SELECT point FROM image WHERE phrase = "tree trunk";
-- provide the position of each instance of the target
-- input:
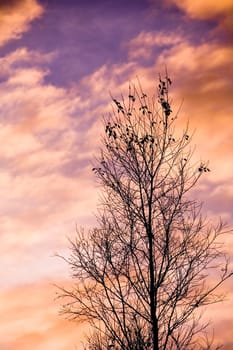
(154, 321)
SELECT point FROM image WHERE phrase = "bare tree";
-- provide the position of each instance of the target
(144, 275)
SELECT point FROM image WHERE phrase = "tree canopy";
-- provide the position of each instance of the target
(143, 276)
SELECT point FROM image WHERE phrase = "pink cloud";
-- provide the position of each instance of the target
(46, 178)
(24, 56)
(141, 46)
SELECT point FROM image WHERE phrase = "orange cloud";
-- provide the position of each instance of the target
(207, 9)
(202, 78)
(220, 317)
(30, 319)
(15, 18)
(204, 9)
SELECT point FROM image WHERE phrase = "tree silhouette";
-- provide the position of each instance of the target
(144, 275)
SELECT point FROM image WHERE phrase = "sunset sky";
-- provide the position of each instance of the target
(59, 60)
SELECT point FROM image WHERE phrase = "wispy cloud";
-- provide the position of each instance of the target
(143, 44)
(45, 158)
